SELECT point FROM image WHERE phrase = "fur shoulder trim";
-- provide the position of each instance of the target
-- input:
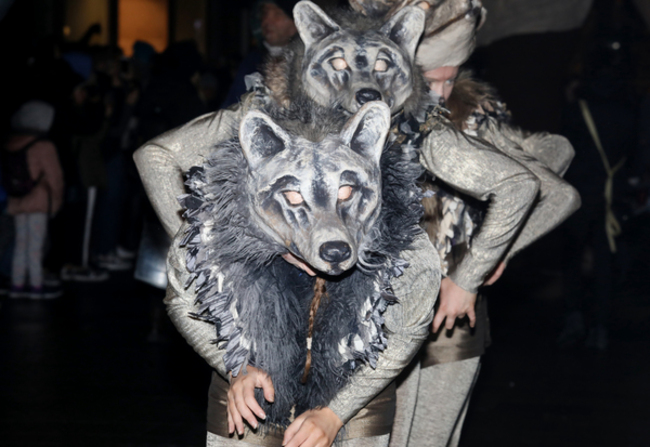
(467, 96)
(260, 304)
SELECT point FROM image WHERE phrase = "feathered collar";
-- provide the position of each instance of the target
(260, 304)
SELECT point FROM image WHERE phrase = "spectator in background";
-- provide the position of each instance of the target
(273, 26)
(143, 56)
(171, 97)
(33, 178)
(113, 214)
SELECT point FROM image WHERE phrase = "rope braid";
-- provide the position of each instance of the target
(319, 293)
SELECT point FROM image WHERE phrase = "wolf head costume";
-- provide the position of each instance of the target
(346, 60)
(337, 199)
(318, 199)
(449, 33)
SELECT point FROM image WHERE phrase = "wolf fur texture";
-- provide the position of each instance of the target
(242, 220)
(346, 59)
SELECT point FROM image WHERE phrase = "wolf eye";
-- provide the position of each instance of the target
(381, 65)
(293, 197)
(339, 64)
(345, 192)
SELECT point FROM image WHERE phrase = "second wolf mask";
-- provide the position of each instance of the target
(346, 60)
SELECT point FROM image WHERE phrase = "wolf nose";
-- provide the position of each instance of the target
(366, 95)
(336, 251)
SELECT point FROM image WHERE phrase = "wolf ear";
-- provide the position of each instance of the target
(261, 138)
(405, 28)
(312, 23)
(365, 133)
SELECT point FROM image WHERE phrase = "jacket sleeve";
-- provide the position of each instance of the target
(180, 305)
(554, 151)
(407, 326)
(479, 170)
(557, 199)
(162, 161)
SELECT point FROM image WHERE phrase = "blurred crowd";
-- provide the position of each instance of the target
(85, 109)
(77, 114)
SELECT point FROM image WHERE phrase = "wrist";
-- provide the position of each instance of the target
(332, 417)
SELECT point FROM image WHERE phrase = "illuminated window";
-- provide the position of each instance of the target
(146, 20)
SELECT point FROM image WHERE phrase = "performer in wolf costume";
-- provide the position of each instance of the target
(433, 399)
(405, 322)
(320, 199)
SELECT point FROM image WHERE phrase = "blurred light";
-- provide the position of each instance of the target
(66, 31)
(616, 45)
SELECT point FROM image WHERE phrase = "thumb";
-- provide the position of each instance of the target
(264, 381)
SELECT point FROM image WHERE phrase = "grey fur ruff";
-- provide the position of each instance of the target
(260, 303)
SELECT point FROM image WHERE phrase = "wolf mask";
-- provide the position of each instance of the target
(349, 60)
(331, 198)
(318, 199)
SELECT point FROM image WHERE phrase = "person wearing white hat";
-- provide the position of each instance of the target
(33, 179)
(432, 400)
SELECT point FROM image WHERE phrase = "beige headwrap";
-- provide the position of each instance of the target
(450, 32)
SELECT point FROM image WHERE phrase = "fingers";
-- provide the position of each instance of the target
(314, 440)
(451, 321)
(471, 313)
(302, 437)
(437, 320)
(264, 381)
(292, 429)
(234, 414)
(251, 402)
(241, 393)
(231, 424)
(309, 435)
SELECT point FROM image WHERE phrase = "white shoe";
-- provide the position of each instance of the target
(83, 274)
(113, 263)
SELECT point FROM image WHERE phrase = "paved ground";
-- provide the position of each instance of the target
(80, 371)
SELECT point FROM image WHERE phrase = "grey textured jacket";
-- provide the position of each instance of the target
(521, 175)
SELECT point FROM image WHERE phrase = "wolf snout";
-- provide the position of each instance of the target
(335, 251)
(366, 95)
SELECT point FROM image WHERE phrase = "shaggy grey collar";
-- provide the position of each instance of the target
(260, 304)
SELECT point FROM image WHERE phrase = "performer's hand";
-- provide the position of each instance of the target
(455, 302)
(496, 274)
(314, 428)
(291, 259)
(241, 398)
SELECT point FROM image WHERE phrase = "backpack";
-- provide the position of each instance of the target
(16, 178)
